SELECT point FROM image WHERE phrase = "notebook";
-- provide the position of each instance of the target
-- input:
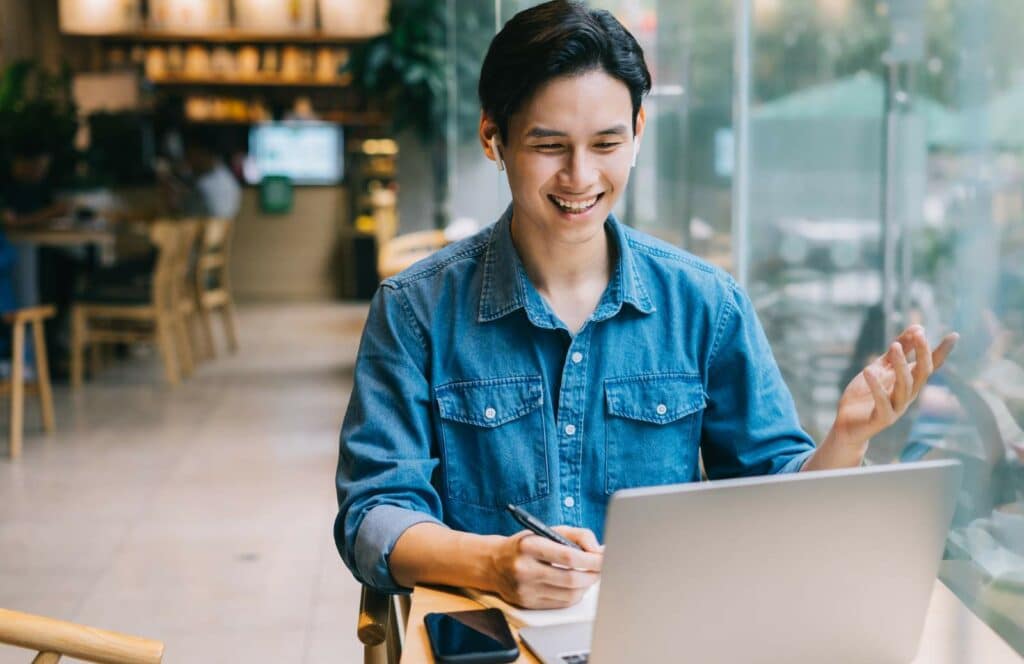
(583, 611)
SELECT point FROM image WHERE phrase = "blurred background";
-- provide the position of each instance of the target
(858, 165)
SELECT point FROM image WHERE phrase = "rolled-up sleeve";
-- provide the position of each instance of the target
(385, 461)
(751, 425)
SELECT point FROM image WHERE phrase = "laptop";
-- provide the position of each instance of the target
(832, 566)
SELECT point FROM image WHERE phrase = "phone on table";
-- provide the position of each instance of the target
(471, 637)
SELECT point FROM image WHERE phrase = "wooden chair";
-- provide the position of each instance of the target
(212, 277)
(402, 251)
(17, 387)
(134, 312)
(381, 627)
(53, 639)
(184, 297)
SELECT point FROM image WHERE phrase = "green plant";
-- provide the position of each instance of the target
(405, 67)
(404, 70)
(37, 110)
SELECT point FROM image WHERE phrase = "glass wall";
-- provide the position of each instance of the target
(886, 189)
(883, 147)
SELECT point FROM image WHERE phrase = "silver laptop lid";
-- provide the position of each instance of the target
(833, 566)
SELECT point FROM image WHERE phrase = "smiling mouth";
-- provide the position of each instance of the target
(575, 207)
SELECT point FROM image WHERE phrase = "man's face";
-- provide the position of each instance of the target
(568, 155)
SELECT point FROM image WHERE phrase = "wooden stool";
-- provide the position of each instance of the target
(16, 385)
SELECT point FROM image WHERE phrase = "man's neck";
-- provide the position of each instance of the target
(572, 278)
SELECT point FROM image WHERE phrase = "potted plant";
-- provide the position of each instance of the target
(38, 104)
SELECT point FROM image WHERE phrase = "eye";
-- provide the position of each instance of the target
(548, 146)
(607, 146)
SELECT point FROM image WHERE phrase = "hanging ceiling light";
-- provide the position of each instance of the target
(273, 16)
(188, 15)
(90, 17)
(354, 18)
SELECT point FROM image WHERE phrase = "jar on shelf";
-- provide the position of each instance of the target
(248, 62)
(188, 16)
(275, 16)
(197, 61)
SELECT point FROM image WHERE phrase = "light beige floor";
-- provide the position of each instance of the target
(200, 515)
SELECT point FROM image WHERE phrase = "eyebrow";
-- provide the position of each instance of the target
(541, 132)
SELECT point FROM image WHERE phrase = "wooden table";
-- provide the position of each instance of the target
(952, 634)
(102, 239)
(63, 237)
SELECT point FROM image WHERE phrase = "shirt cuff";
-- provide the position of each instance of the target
(795, 464)
(380, 529)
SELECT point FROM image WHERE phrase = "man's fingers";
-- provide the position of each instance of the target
(569, 579)
(903, 379)
(944, 349)
(584, 537)
(883, 406)
(923, 365)
(554, 553)
(551, 597)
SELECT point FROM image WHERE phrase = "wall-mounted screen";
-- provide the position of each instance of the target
(305, 152)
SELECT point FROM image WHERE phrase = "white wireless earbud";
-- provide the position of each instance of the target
(497, 155)
(636, 151)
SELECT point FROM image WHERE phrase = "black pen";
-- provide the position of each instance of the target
(535, 525)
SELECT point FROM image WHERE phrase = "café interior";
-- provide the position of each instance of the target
(199, 198)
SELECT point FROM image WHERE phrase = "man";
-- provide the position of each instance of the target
(208, 189)
(26, 200)
(558, 356)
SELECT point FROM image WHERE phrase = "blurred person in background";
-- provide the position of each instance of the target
(27, 199)
(200, 185)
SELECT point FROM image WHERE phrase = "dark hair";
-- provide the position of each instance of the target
(29, 145)
(201, 137)
(557, 38)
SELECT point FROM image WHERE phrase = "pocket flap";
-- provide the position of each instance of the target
(490, 403)
(655, 398)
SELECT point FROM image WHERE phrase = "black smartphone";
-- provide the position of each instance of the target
(471, 637)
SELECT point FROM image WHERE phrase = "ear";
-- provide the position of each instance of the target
(641, 122)
(488, 133)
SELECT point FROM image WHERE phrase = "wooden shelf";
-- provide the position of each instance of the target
(348, 118)
(226, 36)
(363, 118)
(253, 82)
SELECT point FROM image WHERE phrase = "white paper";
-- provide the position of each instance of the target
(582, 611)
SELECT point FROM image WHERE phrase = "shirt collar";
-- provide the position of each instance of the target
(506, 288)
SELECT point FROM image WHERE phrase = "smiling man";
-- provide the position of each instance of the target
(559, 356)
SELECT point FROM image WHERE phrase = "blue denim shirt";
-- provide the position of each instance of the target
(470, 394)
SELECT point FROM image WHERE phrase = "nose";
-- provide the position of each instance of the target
(578, 174)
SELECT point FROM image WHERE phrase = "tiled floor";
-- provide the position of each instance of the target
(200, 515)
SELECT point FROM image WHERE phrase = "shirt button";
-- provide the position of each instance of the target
(661, 409)
(570, 430)
(569, 502)
(577, 357)
(490, 413)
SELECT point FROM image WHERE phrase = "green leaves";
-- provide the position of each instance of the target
(405, 68)
(36, 108)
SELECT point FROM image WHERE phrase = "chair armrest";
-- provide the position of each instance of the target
(374, 609)
(29, 314)
(93, 645)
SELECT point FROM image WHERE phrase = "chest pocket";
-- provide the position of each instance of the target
(652, 432)
(493, 442)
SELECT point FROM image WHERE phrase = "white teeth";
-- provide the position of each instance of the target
(575, 206)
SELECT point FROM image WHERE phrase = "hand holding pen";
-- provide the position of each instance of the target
(537, 572)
